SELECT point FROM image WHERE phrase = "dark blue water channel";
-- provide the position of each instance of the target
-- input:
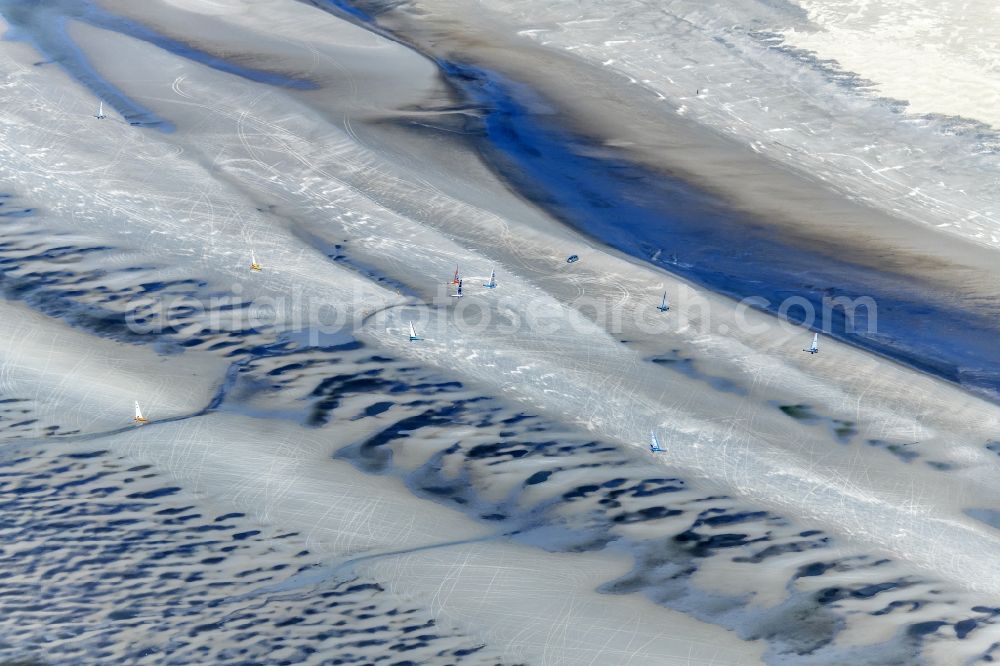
(687, 231)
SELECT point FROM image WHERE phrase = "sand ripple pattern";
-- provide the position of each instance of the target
(108, 562)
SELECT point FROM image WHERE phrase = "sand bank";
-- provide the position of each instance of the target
(347, 213)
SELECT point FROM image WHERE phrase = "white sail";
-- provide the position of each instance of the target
(138, 412)
(654, 444)
(413, 334)
(814, 347)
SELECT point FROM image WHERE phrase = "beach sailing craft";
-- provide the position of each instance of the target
(654, 443)
(814, 347)
(664, 305)
(139, 418)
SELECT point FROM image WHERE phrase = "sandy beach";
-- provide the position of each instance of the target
(492, 477)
